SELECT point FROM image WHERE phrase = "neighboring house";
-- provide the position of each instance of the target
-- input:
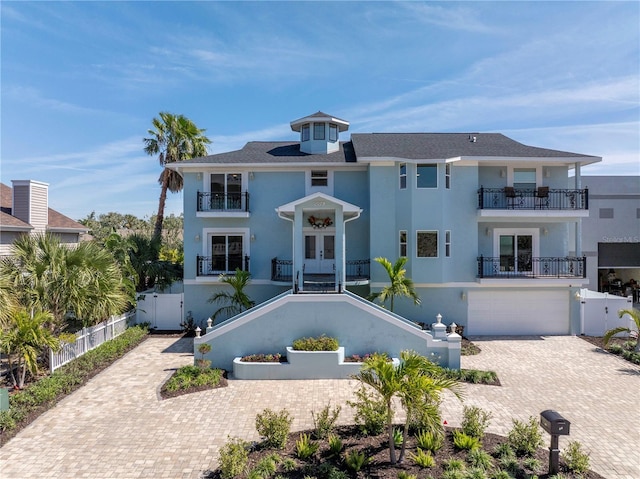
(484, 221)
(24, 209)
(611, 234)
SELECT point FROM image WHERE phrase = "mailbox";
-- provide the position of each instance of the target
(552, 422)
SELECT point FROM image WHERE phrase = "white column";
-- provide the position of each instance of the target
(298, 248)
(340, 248)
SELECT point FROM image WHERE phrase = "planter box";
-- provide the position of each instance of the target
(300, 365)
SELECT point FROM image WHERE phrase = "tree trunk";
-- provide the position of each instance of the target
(157, 231)
(392, 445)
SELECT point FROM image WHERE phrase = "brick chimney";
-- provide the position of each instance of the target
(31, 203)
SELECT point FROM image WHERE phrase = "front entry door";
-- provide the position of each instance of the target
(319, 253)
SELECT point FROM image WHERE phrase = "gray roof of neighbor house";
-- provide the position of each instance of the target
(57, 221)
(412, 146)
(448, 145)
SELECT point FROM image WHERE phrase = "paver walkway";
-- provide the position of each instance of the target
(116, 426)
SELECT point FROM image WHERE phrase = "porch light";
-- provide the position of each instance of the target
(253, 237)
(463, 296)
(545, 231)
(197, 238)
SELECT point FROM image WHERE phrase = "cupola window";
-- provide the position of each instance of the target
(333, 132)
(305, 132)
(318, 131)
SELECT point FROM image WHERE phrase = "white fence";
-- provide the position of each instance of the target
(599, 312)
(90, 338)
(161, 310)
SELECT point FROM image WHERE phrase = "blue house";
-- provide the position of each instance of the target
(484, 221)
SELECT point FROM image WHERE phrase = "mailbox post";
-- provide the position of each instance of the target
(557, 426)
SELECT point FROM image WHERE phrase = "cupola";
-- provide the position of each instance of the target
(319, 133)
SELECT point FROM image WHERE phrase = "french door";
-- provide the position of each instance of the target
(319, 253)
(516, 250)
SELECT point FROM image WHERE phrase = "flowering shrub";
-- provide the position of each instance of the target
(262, 358)
(356, 358)
(321, 343)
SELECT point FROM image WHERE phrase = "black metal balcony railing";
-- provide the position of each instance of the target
(221, 264)
(542, 198)
(238, 202)
(281, 270)
(356, 270)
(527, 267)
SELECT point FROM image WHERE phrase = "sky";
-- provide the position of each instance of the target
(82, 81)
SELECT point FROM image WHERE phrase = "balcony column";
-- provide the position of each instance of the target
(298, 248)
(578, 186)
(340, 249)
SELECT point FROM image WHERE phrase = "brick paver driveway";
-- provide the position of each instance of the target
(116, 426)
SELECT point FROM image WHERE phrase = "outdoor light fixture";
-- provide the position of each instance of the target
(197, 238)
(251, 175)
(463, 296)
(253, 237)
(545, 231)
(199, 176)
(503, 173)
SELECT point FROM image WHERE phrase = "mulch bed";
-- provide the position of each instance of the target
(379, 467)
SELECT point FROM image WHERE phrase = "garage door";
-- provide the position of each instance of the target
(518, 313)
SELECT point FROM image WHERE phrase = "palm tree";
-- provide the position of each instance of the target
(46, 275)
(415, 381)
(400, 284)
(634, 314)
(237, 301)
(173, 138)
(24, 340)
(150, 270)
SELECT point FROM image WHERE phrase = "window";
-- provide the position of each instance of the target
(403, 176)
(304, 134)
(447, 175)
(524, 178)
(333, 132)
(606, 213)
(403, 243)
(227, 252)
(319, 178)
(226, 191)
(318, 131)
(427, 244)
(427, 176)
(447, 243)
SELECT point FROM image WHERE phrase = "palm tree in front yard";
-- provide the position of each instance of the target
(237, 300)
(173, 138)
(634, 314)
(399, 285)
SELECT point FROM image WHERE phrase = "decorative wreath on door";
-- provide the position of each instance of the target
(320, 222)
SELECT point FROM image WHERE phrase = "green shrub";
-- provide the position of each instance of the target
(266, 467)
(475, 421)
(233, 458)
(335, 445)
(397, 437)
(575, 458)
(531, 463)
(503, 450)
(274, 427)
(509, 463)
(525, 437)
(355, 460)
(335, 473)
(189, 376)
(476, 473)
(453, 474)
(453, 464)
(422, 458)
(320, 343)
(464, 442)
(473, 376)
(305, 448)
(429, 441)
(289, 464)
(371, 413)
(324, 422)
(500, 474)
(479, 458)
(406, 475)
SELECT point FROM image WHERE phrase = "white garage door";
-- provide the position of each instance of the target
(518, 313)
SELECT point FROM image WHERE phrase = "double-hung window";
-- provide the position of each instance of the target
(403, 176)
(403, 243)
(447, 176)
(447, 243)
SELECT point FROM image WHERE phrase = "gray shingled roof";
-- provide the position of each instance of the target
(447, 145)
(266, 152)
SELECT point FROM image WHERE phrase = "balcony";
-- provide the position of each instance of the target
(527, 267)
(221, 264)
(223, 202)
(356, 271)
(541, 199)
